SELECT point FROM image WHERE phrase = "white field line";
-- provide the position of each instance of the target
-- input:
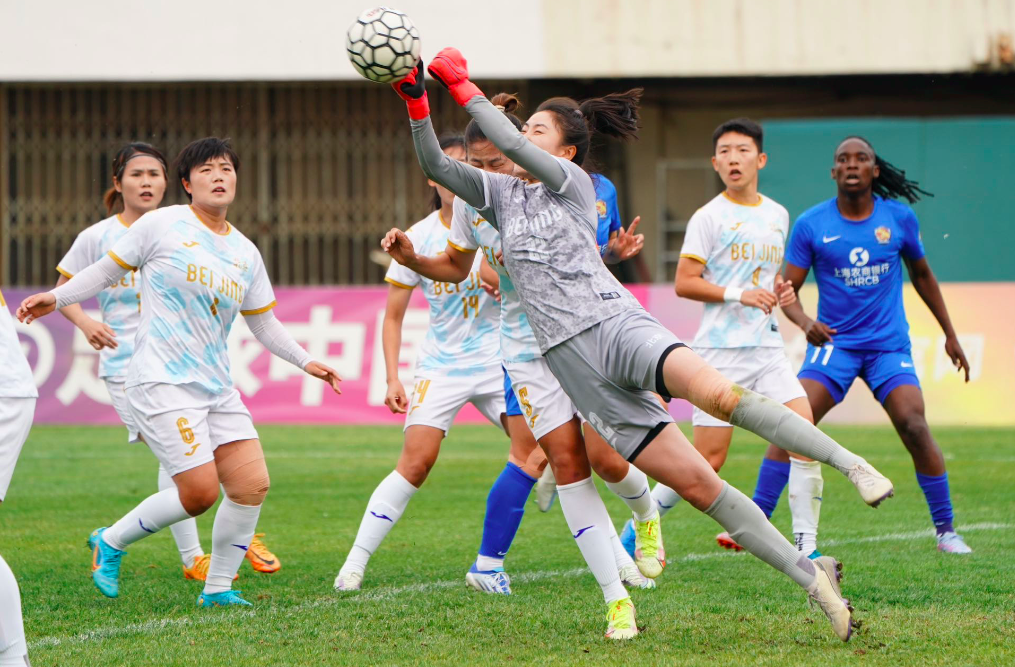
(155, 625)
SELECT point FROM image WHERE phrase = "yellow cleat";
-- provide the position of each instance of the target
(260, 558)
(199, 570)
(620, 615)
(649, 555)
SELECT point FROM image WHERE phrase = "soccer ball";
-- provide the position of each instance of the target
(383, 45)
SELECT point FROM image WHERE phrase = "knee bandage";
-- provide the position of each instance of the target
(713, 393)
(243, 473)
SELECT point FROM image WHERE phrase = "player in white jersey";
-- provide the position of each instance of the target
(542, 404)
(730, 260)
(458, 363)
(17, 407)
(197, 272)
(139, 184)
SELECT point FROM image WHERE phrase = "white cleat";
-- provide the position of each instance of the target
(838, 611)
(872, 485)
(952, 543)
(833, 569)
(622, 624)
(546, 490)
(631, 577)
(349, 580)
(489, 581)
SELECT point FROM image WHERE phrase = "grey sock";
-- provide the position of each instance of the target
(746, 523)
(780, 425)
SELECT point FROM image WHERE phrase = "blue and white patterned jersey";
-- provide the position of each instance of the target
(740, 246)
(120, 304)
(461, 339)
(469, 232)
(193, 284)
(16, 379)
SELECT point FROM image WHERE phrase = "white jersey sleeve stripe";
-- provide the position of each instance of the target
(122, 263)
(258, 311)
(398, 284)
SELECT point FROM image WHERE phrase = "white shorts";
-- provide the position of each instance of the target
(183, 424)
(765, 370)
(540, 396)
(119, 399)
(436, 399)
(15, 422)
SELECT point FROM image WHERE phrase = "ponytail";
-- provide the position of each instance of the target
(113, 199)
(614, 115)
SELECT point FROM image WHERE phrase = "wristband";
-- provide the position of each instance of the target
(418, 108)
(733, 294)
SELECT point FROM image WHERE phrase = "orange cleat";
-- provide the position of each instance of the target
(726, 542)
(260, 558)
(199, 570)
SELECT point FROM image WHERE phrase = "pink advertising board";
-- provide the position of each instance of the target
(341, 327)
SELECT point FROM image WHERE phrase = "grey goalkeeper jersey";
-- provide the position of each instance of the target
(548, 228)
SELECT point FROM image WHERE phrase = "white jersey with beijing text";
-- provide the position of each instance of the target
(470, 231)
(16, 376)
(120, 304)
(462, 337)
(193, 284)
(740, 246)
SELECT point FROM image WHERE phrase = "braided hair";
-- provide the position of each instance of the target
(891, 182)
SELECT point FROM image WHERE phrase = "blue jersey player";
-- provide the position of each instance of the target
(616, 244)
(857, 244)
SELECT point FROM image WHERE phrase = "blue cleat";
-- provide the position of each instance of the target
(627, 538)
(489, 581)
(228, 598)
(105, 564)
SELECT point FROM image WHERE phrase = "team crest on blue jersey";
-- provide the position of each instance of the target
(883, 235)
(601, 208)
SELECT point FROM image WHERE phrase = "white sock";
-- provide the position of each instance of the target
(619, 552)
(486, 563)
(805, 487)
(152, 515)
(385, 508)
(589, 522)
(633, 490)
(184, 532)
(230, 536)
(665, 497)
(13, 649)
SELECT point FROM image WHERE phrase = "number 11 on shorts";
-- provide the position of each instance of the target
(828, 353)
(187, 434)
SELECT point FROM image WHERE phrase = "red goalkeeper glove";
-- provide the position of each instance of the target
(413, 91)
(452, 71)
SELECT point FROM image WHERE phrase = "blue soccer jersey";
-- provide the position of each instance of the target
(858, 267)
(606, 211)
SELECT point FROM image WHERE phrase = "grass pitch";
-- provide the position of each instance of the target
(917, 606)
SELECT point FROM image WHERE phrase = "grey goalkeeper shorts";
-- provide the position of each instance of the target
(612, 371)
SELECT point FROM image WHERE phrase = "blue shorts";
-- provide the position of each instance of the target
(513, 409)
(836, 369)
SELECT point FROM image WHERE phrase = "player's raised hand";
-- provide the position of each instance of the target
(819, 333)
(451, 70)
(784, 290)
(954, 350)
(395, 398)
(759, 298)
(99, 335)
(412, 89)
(36, 306)
(398, 245)
(626, 244)
(326, 373)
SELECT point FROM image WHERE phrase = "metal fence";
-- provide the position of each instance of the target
(325, 169)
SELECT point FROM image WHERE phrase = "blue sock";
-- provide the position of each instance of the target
(504, 509)
(939, 500)
(772, 479)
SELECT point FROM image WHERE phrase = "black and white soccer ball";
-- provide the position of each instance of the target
(383, 44)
